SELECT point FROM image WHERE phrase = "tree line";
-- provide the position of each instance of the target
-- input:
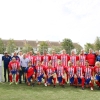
(66, 44)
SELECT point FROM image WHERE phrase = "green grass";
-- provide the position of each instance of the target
(23, 92)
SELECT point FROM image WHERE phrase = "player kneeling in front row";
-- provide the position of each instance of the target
(51, 75)
(79, 75)
(40, 73)
(30, 74)
(89, 76)
(97, 74)
(61, 75)
(14, 71)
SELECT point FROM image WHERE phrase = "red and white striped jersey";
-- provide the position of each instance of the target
(37, 58)
(54, 59)
(31, 58)
(79, 71)
(82, 59)
(96, 69)
(64, 59)
(71, 71)
(88, 72)
(50, 71)
(39, 70)
(60, 70)
(74, 59)
(46, 59)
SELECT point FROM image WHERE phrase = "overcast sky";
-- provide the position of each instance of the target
(51, 20)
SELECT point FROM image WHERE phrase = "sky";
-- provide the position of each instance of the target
(50, 20)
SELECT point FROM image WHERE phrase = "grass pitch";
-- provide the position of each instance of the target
(40, 92)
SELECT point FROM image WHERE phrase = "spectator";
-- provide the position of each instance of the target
(24, 64)
(91, 58)
(1, 68)
(6, 59)
(98, 57)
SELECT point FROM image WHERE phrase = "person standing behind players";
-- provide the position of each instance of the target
(64, 58)
(14, 70)
(82, 58)
(45, 58)
(37, 58)
(54, 58)
(31, 57)
(73, 57)
(98, 57)
(16, 56)
(24, 64)
(6, 59)
(91, 58)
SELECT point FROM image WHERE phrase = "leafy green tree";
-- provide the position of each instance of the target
(2, 48)
(11, 47)
(43, 46)
(97, 43)
(56, 48)
(67, 44)
(27, 47)
(87, 46)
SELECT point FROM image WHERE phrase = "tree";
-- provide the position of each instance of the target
(67, 44)
(56, 48)
(2, 48)
(11, 47)
(97, 43)
(43, 46)
(78, 47)
(27, 47)
(87, 46)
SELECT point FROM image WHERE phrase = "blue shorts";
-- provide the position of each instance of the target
(50, 80)
(14, 72)
(60, 79)
(29, 79)
(40, 78)
(97, 77)
(79, 80)
(71, 80)
(87, 81)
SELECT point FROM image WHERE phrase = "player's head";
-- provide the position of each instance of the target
(72, 52)
(13, 59)
(97, 52)
(50, 64)
(31, 53)
(82, 51)
(70, 64)
(90, 50)
(45, 52)
(78, 63)
(6, 53)
(59, 62)
(15, 53)
(20, 53)
(39, 63)
(29, 64)
(97, 64)
(87, 63)
(38, 53)
(63, 51)
(24, 56)
(53, 52)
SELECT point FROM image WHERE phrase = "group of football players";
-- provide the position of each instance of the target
(51, 69)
